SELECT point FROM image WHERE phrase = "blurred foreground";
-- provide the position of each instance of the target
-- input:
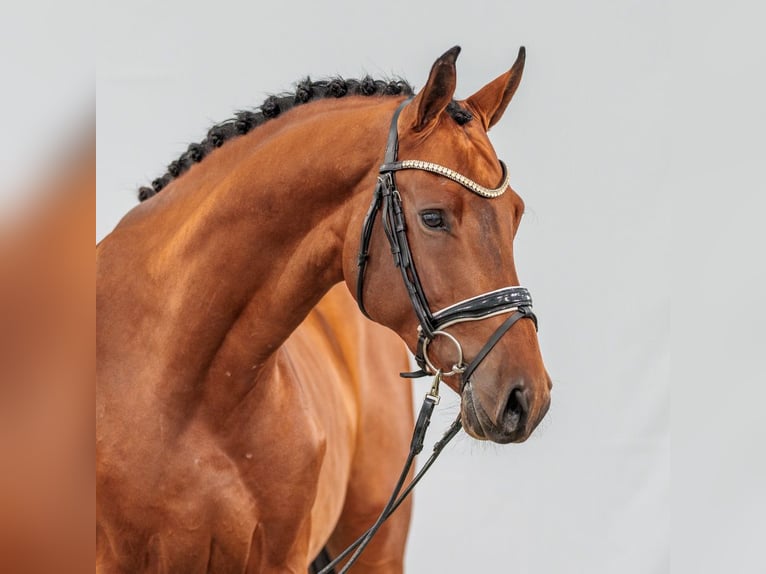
(47, 365)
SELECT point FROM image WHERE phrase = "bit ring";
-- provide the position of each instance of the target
(457, 368)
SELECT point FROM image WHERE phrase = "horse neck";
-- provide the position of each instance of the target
(254, 236)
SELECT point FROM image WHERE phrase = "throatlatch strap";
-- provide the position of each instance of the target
(364, 248)
(392, 148)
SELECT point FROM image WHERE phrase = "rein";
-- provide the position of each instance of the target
(516, 300)
(400, 492)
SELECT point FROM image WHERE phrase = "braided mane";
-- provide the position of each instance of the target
(305, 91)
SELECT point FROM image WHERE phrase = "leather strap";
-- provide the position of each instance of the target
(364, 247)
(523, 312)
(400, 492)
(392, 148)
(396, 231)
(483, 306)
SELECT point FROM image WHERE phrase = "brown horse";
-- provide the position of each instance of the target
(229, 439)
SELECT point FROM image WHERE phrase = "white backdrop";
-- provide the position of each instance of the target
(586, 141)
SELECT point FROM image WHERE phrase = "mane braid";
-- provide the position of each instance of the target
(305, 91)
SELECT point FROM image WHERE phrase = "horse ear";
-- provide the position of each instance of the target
(436, 94)
(490, 102)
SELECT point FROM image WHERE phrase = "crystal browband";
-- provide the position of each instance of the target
(469, 184)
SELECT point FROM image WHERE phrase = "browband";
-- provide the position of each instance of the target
(467, 183)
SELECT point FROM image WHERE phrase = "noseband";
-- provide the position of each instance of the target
(388, 200)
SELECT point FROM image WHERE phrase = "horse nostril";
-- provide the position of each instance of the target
(516, 408)
(513, 405)
(518, 401)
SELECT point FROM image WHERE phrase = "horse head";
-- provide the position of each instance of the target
(450, 218)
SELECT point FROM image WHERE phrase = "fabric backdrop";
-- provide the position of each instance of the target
(587, 143)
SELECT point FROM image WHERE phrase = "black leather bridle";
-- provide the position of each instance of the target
(515, 300)
(388, 201)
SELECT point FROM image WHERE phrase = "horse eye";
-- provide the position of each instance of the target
(433, 219)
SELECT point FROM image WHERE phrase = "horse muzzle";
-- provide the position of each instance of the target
(513, 422)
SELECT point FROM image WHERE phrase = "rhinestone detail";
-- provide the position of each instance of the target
(458, 177)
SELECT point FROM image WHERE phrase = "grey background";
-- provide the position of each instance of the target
(636, 141)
